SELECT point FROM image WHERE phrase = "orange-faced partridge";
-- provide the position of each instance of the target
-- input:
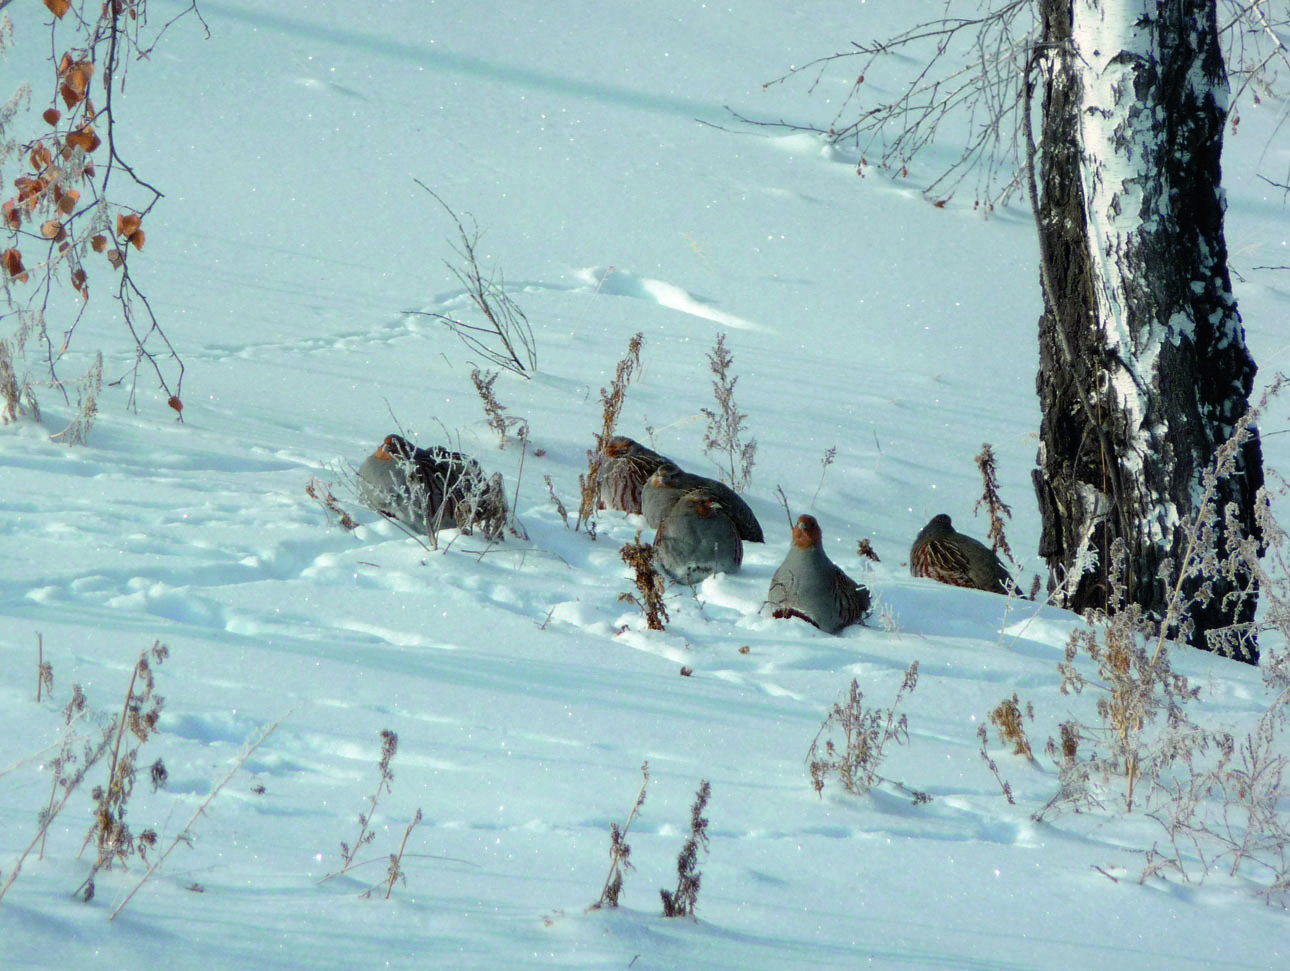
(669, 483)
(429, 489)
(811, 586)
(697, 540)
(624, 466)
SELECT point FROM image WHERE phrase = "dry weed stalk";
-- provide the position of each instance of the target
(320, 492)
(87, 390)
(619, 852)
(185, 834)
(114, 841)
(649, 582)
(865, 734)
(44, 670)
(494, 410)
(994, 505)
(983, 736)
(76, 757)
(611, 400)
(559, 506)
(389, 747)
(681, 902)
(725, 431)
(830, 454)
(395, 870)
(506, 338)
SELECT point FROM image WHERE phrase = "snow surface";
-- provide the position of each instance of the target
(287, 262)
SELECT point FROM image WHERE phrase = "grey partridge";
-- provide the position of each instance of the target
(428, 489)
(811, 586)
(669, 483)
(944, 554)
(697, 540)
(624, 467)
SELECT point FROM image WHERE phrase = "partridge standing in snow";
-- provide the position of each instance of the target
(669, 483)
(625, 466)
(697, 540)
(429, 489)
(811, 586)
(944, 554)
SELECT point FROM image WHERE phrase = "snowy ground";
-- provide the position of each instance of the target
(287, 261)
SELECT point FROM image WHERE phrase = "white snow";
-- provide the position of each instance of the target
(286, 260)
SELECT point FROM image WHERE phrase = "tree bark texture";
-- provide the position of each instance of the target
(1143, 367)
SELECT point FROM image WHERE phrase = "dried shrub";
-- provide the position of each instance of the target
(681, 902)
(1221, 805)
(17, 392)
(649, 584)
(1007, 719)
(865, 734)
(611, 400)
(505, 337)
(1135, 687)
(724, 438)
(619, 851)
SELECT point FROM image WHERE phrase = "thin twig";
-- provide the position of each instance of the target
(184, 835)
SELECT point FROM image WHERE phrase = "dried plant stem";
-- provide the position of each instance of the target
(48, 817)
(619, 850)
(389, 748)
(184, 834)
(396, 859)
(101, 824)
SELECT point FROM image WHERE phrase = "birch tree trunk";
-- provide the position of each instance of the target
(1143, 364)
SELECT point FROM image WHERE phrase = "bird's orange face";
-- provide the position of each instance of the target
(806, 533)
(664, 477)
(617, 447)
(386, 450)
